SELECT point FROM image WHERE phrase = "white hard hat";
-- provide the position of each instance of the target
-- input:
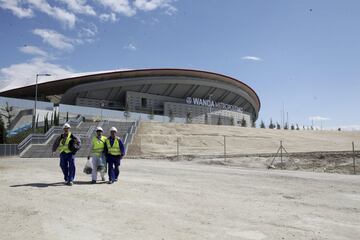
(66, 125)
(99, 129)
(113, 129)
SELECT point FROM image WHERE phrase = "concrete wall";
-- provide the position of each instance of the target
(97, 103)
(198, 114)
(153, 102)
(143, 102)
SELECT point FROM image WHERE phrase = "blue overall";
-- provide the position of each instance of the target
(114, 161)
(113, 166)
(67, 164)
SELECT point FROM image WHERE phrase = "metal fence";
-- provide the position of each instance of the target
(252, 151)
(9, 150)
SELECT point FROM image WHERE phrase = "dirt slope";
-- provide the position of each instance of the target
(160, 139)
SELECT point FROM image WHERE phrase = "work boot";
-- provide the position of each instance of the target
(93, 181)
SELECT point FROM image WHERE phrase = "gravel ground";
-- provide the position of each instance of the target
(157, 199)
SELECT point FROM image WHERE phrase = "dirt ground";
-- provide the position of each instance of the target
(329, 162)
(176, 200)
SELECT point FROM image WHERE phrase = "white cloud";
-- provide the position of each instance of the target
(318, 118)
(89, 31)
(15, 7)
(126, 8)
(150, 5)
(252, 58)
(55, 39)
(60, 14)
(108, 17)
(33, 50)
(79, 6)
(66, 15)
(170, 10)
(22, 74)
(119, 6)
(131, 47)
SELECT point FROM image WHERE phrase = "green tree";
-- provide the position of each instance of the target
(232, 121)
(8, 113)
(292, 127)
(2, 131)
(52, 119)
(278, 126)
(219, 121)
(253, 124)
(46, 123)
(243, 122)
(188, 117)
(56, 118)
(286, 126)
(297, 127)
(37, 121)
(171, 116)
(271, 125)
(262, 124)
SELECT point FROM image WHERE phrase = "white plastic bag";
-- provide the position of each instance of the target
(88, 167)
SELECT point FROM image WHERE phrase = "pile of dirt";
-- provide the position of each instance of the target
(321, 151)
(169, 139)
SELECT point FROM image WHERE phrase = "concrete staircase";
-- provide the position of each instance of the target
(84, 131)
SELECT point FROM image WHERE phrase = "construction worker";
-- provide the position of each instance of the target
(97, 152)
(115, 151)
(67, 144)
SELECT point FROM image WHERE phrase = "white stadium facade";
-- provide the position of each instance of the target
(203, 97)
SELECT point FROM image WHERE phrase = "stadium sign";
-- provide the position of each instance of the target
(210, 103)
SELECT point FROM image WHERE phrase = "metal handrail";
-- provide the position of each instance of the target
(88, 133)
(44, 137)
(129, 135)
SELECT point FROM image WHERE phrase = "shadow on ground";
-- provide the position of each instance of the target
(40, 185)
(57, 184)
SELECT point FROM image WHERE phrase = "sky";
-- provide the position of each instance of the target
(302, 56)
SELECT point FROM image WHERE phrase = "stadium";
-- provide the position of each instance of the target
(203, 97)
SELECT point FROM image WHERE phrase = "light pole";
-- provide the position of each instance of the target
(36, 93)
(102, 104)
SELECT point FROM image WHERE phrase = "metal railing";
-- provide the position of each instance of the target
(130, 134)
(44, 138)
(8, 150)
